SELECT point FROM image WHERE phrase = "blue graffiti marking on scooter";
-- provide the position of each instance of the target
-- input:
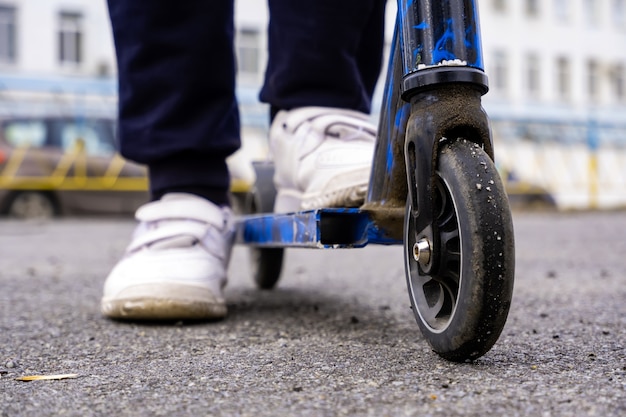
(405, 7)
(442, 50)
(304, 229)
(389, 131)
(472, 42)
(417, 53)
(402, 116)
(444, 33)
(280, 229)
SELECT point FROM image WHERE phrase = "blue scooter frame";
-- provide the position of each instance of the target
(434, 187)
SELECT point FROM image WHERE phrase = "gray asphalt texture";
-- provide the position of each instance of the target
(336, 337)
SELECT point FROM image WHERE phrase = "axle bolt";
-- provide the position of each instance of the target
(422, 251)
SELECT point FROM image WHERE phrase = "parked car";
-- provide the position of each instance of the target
(65, 165)
(524, 195)
(51, 166)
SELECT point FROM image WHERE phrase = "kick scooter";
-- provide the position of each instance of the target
(433, 188)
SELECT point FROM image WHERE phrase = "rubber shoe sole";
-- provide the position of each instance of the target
(164, 302)
(289, 200)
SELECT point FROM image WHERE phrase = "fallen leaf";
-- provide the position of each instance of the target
(42, 377)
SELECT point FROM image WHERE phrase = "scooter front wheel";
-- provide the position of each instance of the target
(460, 279)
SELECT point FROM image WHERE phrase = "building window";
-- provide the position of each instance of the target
(563, 74)
(532, 8)
(561, 10)
(70, 38)
(249, 52)
(592, 12)
(499, 5)
(7, 34)
(533, 74)
(619, 13)
(593, 79)
(500, 72)
(593, 82)
(618, 82)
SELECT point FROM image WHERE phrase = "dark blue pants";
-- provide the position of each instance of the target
(177, 108)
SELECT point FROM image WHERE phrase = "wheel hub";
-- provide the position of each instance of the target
(422, 250)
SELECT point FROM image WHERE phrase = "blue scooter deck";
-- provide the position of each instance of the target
(328, 228)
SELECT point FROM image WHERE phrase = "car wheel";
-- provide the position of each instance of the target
(32, 205)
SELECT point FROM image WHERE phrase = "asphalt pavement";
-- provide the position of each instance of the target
(336, 337)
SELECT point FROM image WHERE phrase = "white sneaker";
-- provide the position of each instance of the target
(322, 157)
(175, 266)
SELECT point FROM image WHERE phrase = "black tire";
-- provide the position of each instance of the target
(32, 205)
(462, 303)
(266, 264)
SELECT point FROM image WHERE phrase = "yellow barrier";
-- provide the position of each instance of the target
(575, 176)
(70, 174)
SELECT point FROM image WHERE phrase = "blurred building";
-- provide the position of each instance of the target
(556, 60)
(557, 71)
(55, 56)
(545, 59)
(557, 96)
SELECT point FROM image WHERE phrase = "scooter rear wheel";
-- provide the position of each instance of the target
(460, 280)
(265, 263)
